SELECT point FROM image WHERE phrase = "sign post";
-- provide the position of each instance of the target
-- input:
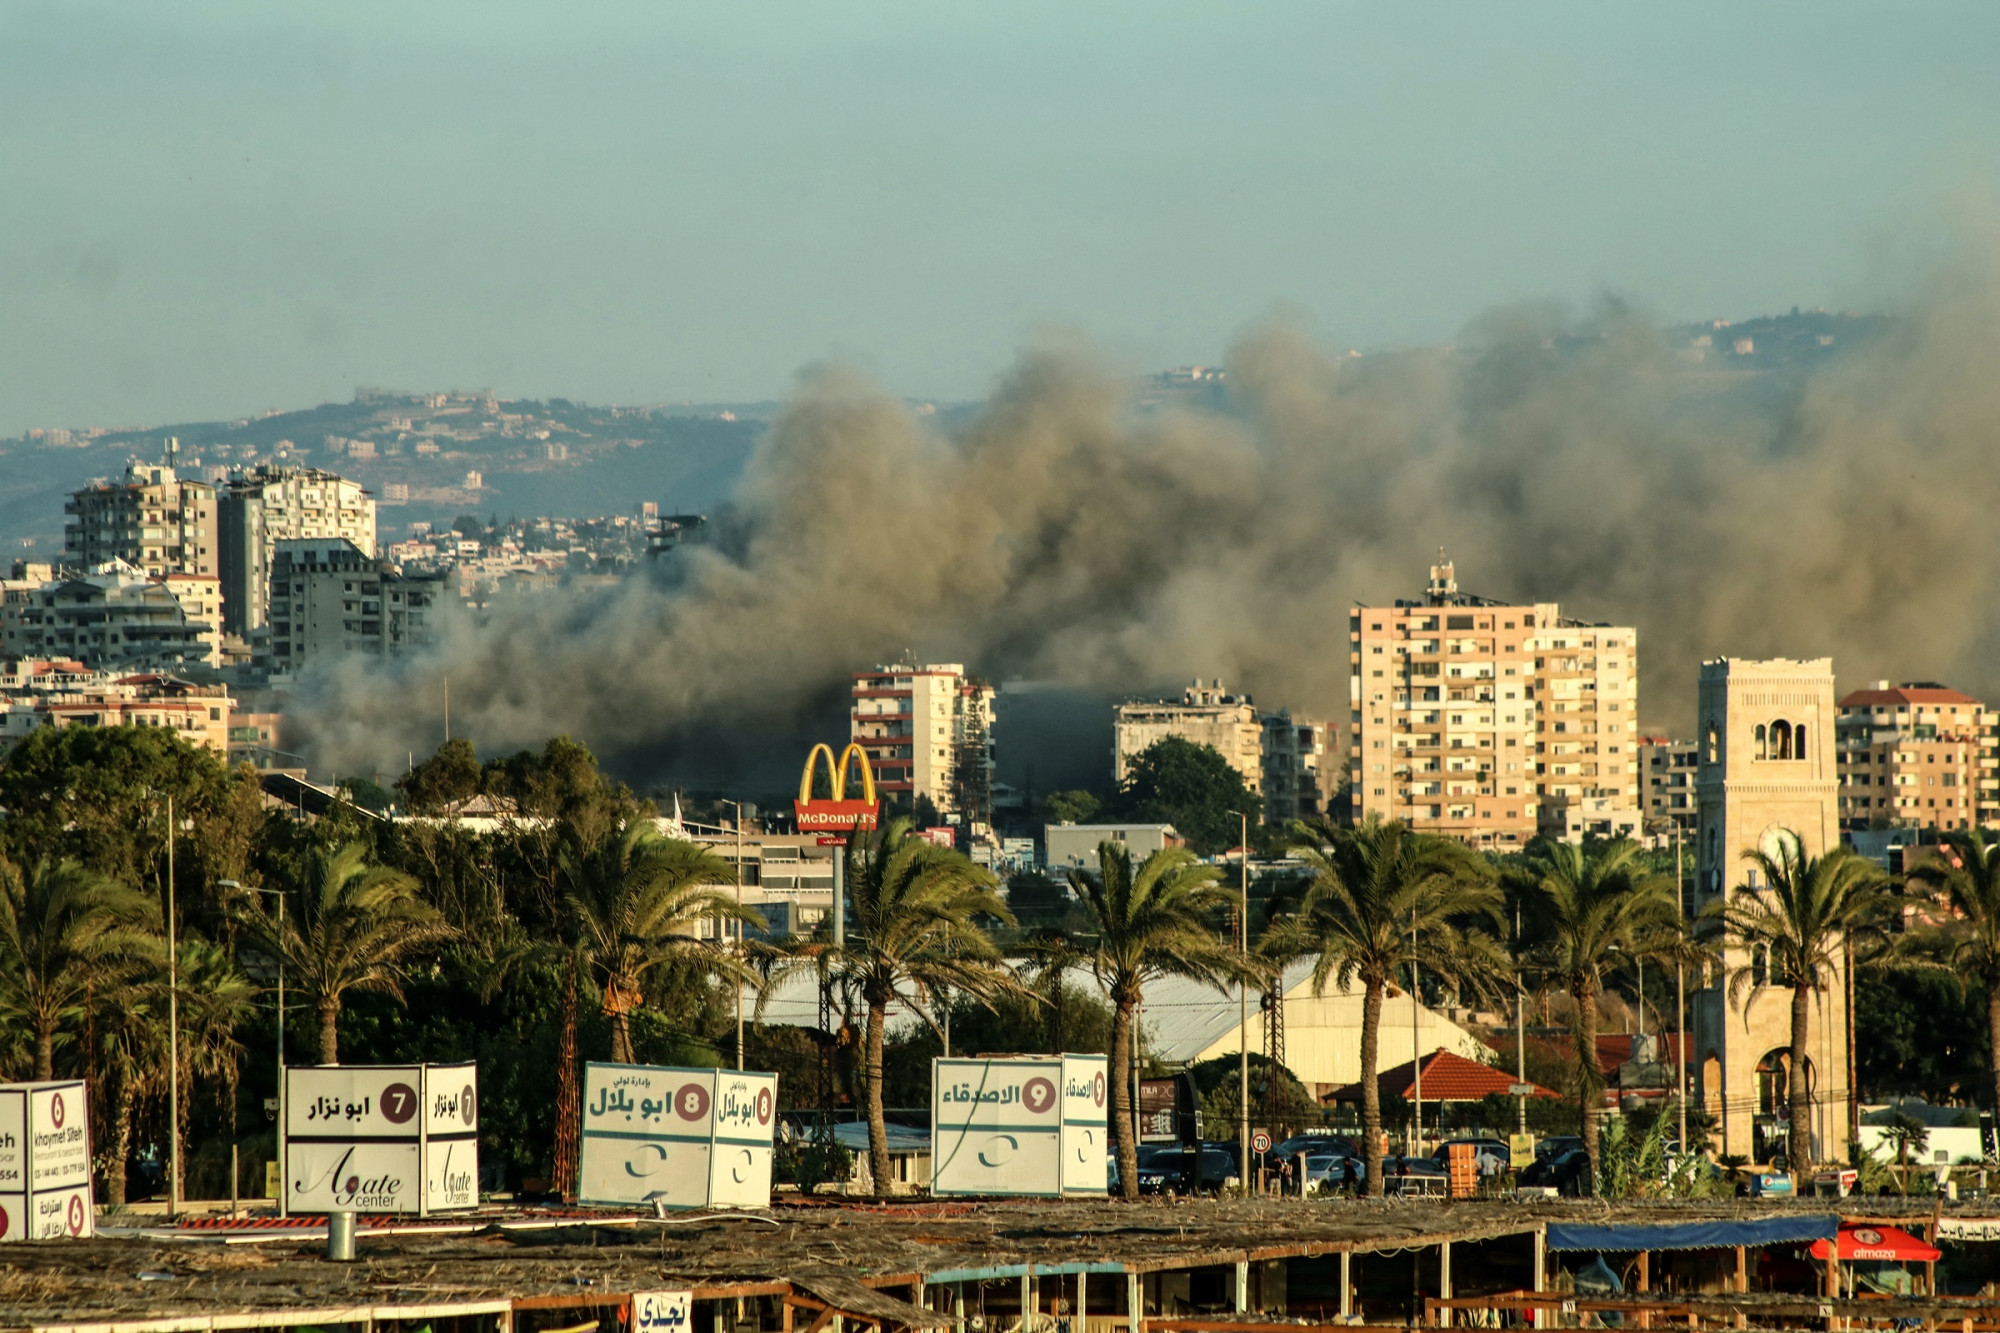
(45, 1185)
(677, 1138)
(381, 1138)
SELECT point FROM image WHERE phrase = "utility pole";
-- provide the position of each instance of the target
(1680, 993)
(1520, 1029)
(173, 1024)
(737, 808)
(1416, 1045)
(1243, 999)
(447, 708)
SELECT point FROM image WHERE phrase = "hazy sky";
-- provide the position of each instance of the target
(208, 209)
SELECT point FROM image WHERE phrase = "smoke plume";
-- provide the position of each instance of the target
(1061, 533)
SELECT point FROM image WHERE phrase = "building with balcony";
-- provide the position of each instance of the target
(115, 617)
(260, 507)
(1283, 760)
(1666, 783)
(927, 731)
(150, 519)
(36, 694)
(1487, 721)
(1917, 755)
(328, 597)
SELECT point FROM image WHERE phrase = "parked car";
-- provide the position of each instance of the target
(1490, 1155)
(1329, 1173)
(1566, 1174)
(1555, 1145)
(1215, 1169)
(1412, 1175)
(1289, 1155)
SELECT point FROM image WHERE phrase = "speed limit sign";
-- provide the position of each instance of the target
(1260, 1140)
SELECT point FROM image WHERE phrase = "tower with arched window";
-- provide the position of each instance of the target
(1767, 771)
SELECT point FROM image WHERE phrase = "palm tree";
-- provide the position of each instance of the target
(132, 1057)
(1587, 912)
(215, 999)
(1157, 921)
(638, 899)
(62, 929)
(916, 908)
(1795, 926)
(1968, 877)
(1383, 898)
(356, 927)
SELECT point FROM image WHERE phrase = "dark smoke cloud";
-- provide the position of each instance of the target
(1063, 535)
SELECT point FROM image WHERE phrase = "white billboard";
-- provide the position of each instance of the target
(381, 1138)
(1086, 1139)
(679, 1138)
(1022, 1125)
(45, 1191)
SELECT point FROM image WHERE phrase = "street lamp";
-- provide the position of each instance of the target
(737, 808)
(279, 1137)
(173, 1032)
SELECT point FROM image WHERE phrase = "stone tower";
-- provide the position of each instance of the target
(1767, 770)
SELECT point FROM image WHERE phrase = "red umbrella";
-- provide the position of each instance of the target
(1864, 1242)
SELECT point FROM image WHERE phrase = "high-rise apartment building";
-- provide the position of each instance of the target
(263, 506)
(927, 731)
(329, 597)
(151, 519)
(1918, 755)
(1300, 777)
(1489, 722)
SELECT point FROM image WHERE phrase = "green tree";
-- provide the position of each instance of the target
(216, 999)
(639, 900)
(917, 910)
(1383, 899)
(351, 925)
(449, 777)
(1967, 944)
(1174, 781)
(65, 930)
(1795, 925)
(1157, 921)
(1589, 911)
(1906, 1134)
(1070, 807)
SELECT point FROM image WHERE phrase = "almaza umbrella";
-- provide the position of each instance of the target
(1866, 1244)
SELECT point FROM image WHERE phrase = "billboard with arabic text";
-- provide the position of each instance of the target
(679, 1138)
(45, 1190)
(381, 1138)
(1025, 1125)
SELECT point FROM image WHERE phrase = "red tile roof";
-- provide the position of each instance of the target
(1906, 694)
(1446, 1078)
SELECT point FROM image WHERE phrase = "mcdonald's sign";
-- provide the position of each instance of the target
(837, 814)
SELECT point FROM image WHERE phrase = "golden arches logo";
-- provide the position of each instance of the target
(836, 813)
(837, 773)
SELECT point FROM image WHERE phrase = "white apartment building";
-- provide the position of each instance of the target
(328, 597)
(927, 730)
(1205, 714)
(150, 519)
(1284, 760)
(115, 617)
(1486, 721)
(42, 694)
(263, 506)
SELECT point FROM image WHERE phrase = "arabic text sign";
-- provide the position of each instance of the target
(1086, 1140)
(997, 1126)
(45, 1189)
(681, 1138)
(662, 1311)
(381, 1138)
